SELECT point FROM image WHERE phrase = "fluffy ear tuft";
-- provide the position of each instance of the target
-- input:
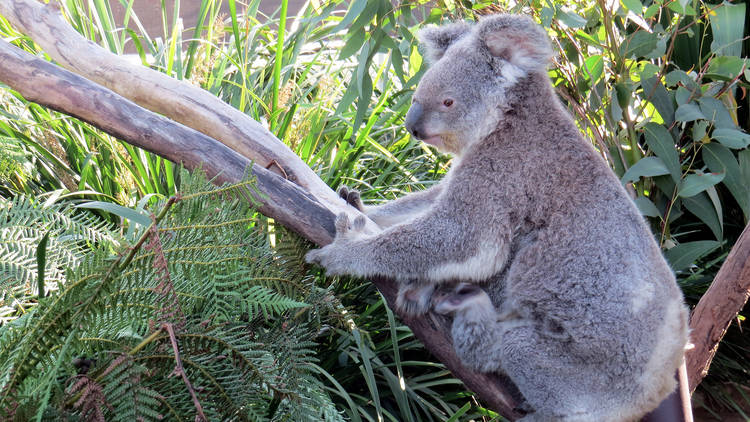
(437, 39)
(517, 39)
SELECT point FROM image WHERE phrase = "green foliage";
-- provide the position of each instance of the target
(200, 285)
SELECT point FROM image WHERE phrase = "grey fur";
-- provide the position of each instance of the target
(581, 309)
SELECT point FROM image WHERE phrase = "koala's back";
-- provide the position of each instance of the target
(584, 262)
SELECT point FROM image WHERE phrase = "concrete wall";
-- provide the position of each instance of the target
(149, 12)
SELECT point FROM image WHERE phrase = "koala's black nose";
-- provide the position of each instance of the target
(413, 121)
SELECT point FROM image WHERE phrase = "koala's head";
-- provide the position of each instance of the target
(462, 96)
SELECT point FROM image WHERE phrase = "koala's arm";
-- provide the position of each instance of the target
(404, 208)
(448, 241)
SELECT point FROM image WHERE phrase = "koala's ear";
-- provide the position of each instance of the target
(437, 39)
(517, 39)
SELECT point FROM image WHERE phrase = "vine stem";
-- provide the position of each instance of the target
(179, 370)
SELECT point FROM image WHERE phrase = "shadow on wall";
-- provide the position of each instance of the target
(149, 13)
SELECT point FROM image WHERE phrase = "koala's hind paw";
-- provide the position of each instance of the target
(352, 197)
(461, 297)
(414, 298)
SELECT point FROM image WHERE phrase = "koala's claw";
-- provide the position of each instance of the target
(351, 196)
(524, 408)
(313, 257)
(414, 299)
(342, 224)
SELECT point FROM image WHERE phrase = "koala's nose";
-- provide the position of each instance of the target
(413, 121)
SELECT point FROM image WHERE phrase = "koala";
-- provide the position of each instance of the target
(564, 288)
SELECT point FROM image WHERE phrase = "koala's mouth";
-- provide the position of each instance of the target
(436, 140)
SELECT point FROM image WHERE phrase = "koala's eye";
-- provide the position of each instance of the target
(448, 102)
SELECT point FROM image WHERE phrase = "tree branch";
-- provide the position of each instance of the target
(49, 85)
(179, 100)
(719, 305)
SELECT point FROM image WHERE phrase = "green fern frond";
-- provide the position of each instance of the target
(245, 343)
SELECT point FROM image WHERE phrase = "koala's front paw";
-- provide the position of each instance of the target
(414, 298)
(351, 196)
(331, 258)
(338, 257)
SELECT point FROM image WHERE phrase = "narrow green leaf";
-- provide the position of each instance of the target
(662, 144)
(720, 159)
(639, 44)
(727, 26)
(647, 207)
(654, 91)
(645, 167)
(700, 205)
(731, 138)
(634, 6)
(570, 19)
(593, 68)
(688, 113)
(698, 182)
(353, 44)
(683, 255)
(717, 112)
(41, 262)
(355, 9)
(118, 210)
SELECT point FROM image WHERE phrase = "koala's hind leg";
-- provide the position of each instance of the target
(557, 388)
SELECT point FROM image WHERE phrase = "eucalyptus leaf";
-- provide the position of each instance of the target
(684, 255)
(645, 167)
(662, 144)
(355, 9)
(719, 158)
(700, 205)
(688, 113)
(697, 182)
(731, 138)
(725, 67)
(655, 92)
(570, 19)
(593, 68)
(646, 207)
(634, 6)
(353, 44)
(682, 95)
(717, 112)
(638, 44)
(727, 26)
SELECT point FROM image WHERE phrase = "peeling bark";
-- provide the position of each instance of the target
(718, 307)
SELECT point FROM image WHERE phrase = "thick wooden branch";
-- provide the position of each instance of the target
(179, 100)
(56, 88)
(718, 307)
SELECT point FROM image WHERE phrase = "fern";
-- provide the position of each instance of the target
(201, 286)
